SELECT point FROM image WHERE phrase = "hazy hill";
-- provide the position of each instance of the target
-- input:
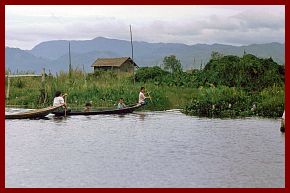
(54, 54)
(22, 61)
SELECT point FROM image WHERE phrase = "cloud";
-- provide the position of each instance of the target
(256, 20)
(192, 24)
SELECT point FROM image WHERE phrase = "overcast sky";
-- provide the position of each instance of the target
(26, 26)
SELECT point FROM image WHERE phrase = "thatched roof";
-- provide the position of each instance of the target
(117, 62)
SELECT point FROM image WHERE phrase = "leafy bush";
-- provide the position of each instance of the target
(219, 102)
(146, 74)
(271, 103)
(232, 102)
(248, 72)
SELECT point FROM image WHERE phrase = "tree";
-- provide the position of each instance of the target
(216, 55)
(145, 74)
(172, 64)
(248, 72)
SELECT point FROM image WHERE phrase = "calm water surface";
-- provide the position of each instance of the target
(144, 149)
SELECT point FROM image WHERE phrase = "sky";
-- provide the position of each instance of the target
(28, 25)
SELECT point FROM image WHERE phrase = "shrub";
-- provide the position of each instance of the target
(146, 74)
(271, 103)
(248, 72)
(219, 102)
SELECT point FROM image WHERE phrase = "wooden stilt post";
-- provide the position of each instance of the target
(85, 76)
(70, 67)
(42, 96)
(8, 85)
(43, 76)
(132, 55)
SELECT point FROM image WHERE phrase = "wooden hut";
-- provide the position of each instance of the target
(124, 64)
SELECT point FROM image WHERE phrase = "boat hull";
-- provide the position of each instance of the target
(100, 112)
(33, 114)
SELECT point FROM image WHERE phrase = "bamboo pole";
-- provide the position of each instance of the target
(43, 76)
(65, 99)
(132, 55)
(85, 76)
(22, 75)
(8, 85)
(148, 93)
(70, 68)
(43, 91)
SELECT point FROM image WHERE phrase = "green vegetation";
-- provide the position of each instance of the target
(225, 101)
(102, 88)
(172, 64)
(248, 72)
(228, 86)
(239, 87)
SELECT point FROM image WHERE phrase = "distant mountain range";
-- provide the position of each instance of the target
(54, 57)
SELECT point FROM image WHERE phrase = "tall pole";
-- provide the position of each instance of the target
(8, 86)
(85, 78)
(131, 43)
(43, 76)
(69, 60)
(132, 55)
(42, 97)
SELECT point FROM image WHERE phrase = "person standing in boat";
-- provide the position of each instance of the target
(121, 104)
(282, 128)
(142, 96)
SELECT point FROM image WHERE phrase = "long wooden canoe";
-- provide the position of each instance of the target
(125, 110)
(33, 114)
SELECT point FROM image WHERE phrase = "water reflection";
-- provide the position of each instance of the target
(140, 115)
(121, 115)
(59, 119)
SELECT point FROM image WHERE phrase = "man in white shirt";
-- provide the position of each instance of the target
(142, 97)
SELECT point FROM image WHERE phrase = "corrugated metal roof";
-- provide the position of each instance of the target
(112, 62)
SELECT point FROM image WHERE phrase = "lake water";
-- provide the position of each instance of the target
(144, 149)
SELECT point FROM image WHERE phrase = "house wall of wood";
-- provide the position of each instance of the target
(102, 68)
(125, 67)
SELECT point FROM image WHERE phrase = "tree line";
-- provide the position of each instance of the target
(227, 86)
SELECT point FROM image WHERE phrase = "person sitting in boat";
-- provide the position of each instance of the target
(121, 104)
(58, 100)
(142, 96)
(88, 107)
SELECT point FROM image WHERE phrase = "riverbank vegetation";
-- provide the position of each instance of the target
(228, 86)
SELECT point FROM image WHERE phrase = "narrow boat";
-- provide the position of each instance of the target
(33, 114)
(125, 110)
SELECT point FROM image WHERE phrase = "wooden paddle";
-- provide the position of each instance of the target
(148, 93)
(65, 99)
